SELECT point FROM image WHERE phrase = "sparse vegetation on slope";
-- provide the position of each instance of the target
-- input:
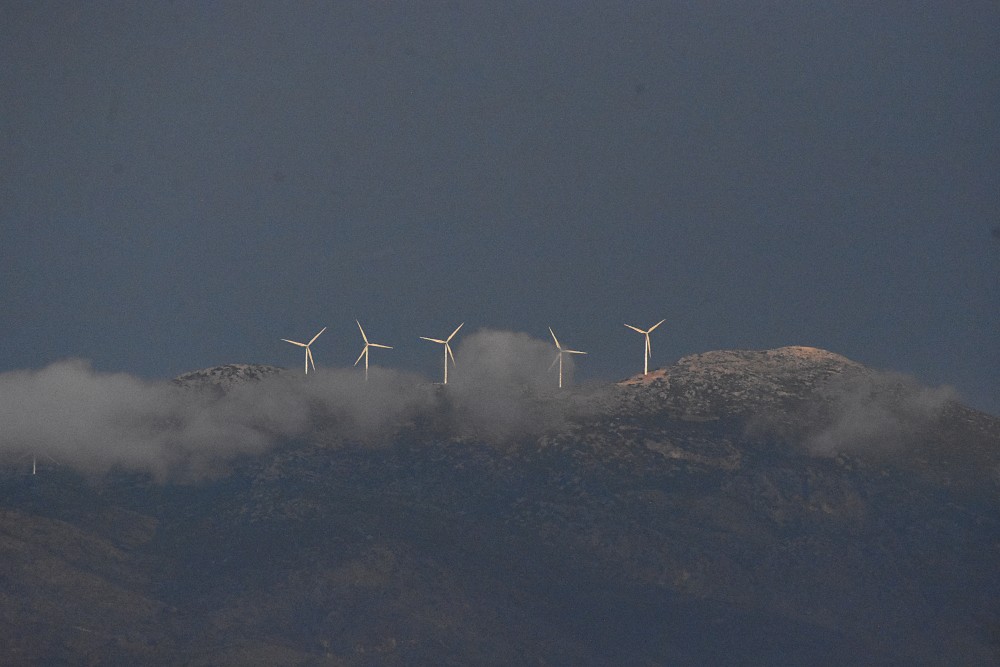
(679, 520)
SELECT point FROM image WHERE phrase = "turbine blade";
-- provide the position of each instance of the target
(311, 360)
(656, 325)
(553, 364)
(558, 346)
(317, 336)
(434, 340)
(362, 333)
(574, 352)
(384, 347)
(649, 346)
(447, 348)
(363, 353)
(455, 331)
(635, 328)
(294, 342)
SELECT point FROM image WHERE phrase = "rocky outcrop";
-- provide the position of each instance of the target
(741, 382)
(226, 376)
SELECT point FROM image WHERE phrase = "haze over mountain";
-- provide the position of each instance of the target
(784, 506)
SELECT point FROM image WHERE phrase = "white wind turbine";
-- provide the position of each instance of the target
(559, 356)
(364, 352)
(649, 348)
(309, 354)
(447, 349)
(34, 462)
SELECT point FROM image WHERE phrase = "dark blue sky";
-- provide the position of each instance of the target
(183, 184)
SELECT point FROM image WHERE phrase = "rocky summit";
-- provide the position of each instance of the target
(226, 377)
(781, 507)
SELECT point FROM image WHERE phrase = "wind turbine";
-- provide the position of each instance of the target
(309, 354)
(447, 349)
(649, 349)
(364, 352)
(559, 356)
(34, 462)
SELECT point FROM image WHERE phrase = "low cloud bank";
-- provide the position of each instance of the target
(506, 386)
(97, 421)
(879, 413)
(503, 388)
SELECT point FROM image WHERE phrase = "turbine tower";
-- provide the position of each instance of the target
(309, 354)
(34, 462)
(559, 356)
(364, 352)
(447, 349)
(649, 348)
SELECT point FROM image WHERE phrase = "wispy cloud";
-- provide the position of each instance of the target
(96, 421)
(876, 413)
(501, 389)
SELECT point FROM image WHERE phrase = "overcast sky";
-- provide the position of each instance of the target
(183, 184)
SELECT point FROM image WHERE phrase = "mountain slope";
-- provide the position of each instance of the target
(689, 517)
